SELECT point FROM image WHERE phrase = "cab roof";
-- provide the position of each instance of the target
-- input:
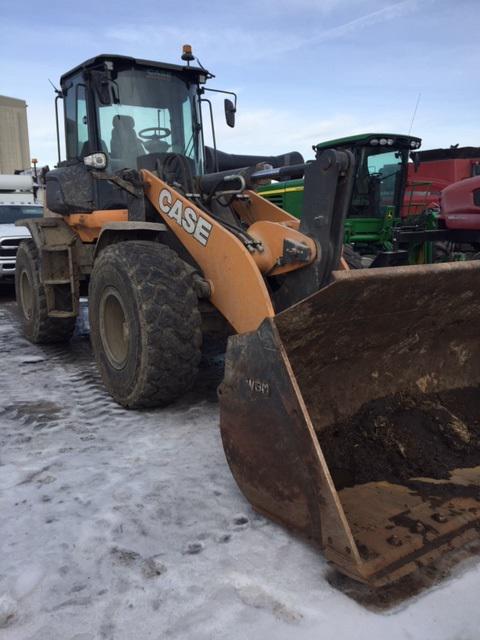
(451, 153)
(129, 61)
(364, 138)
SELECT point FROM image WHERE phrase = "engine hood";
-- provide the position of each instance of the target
(11, 231)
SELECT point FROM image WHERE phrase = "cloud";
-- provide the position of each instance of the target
(268, 131)
(233, 44)
(384, 14)
(314, 6)
(239, 44)
(271, 132)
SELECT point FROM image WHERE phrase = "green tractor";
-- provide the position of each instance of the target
(378, 198)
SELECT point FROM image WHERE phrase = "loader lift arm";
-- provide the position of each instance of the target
(236, 273)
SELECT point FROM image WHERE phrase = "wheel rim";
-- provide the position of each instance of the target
(114, 329)
(26, 295)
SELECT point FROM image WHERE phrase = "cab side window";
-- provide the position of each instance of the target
(76, 123)
(82, 123)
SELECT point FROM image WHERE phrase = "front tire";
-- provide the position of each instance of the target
(145, 325)
(38, 327)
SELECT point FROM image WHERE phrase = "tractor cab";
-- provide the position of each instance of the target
(382, 164)
(378, 193)
(378, 196)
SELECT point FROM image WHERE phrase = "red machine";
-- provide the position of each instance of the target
(435, 169)
(455, 212)
(460, 205)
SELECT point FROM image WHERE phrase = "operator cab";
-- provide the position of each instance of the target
(128, 109)
(382, 162)
(121, 114)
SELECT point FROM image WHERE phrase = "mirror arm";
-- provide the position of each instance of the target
(58, 97)
(213, 130)
(229, 93)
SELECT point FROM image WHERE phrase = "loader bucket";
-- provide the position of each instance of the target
(353, 417)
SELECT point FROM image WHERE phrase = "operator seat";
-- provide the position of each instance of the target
(125, 147)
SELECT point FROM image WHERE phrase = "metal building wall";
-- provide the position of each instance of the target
(14, 147)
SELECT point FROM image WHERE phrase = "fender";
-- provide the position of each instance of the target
(64, 261)
(113, 231)
(48, 231)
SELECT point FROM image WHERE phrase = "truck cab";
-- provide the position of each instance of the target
(17, 201)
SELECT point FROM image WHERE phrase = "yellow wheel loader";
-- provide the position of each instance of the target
(349, 407)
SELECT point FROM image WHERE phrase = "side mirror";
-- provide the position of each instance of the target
(96, 160)
(230, 111)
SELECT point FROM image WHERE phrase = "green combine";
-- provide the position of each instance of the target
(378, 197)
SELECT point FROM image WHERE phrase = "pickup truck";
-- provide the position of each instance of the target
(17, 201)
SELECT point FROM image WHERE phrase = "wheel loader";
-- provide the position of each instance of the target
(317, 353)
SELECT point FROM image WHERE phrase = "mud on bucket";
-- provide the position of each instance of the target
(354, 417)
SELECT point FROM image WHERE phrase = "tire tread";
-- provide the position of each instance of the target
(170, 319)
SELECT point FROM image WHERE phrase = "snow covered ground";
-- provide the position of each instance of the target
(118, 525)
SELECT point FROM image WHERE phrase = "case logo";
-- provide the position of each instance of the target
(185, 217)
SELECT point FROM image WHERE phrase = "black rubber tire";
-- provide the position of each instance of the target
(351, 257)
(442, 251)
(38, 327)
(161, 334)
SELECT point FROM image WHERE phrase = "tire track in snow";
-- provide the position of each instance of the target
(92, 407)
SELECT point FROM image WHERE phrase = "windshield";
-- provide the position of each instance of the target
(10, 213)
(156, 113)
(379, 180)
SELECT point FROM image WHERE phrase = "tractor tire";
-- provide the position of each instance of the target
(351, 257)
(442, 251)
(38, 327)
(145, 324)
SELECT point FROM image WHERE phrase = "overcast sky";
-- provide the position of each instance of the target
(304, 70)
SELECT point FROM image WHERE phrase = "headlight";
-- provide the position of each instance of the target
(96, 160)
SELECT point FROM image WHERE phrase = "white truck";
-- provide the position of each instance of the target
(17, 200)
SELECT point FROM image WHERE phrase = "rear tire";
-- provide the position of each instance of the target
(38, 327)
(145, 325)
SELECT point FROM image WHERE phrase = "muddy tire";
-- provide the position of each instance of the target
(32, 300)
(351, 257)
(145, 325)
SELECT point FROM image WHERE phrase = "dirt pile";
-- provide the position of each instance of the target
(405, 436)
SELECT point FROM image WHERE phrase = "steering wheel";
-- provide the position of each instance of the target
(163, 132)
